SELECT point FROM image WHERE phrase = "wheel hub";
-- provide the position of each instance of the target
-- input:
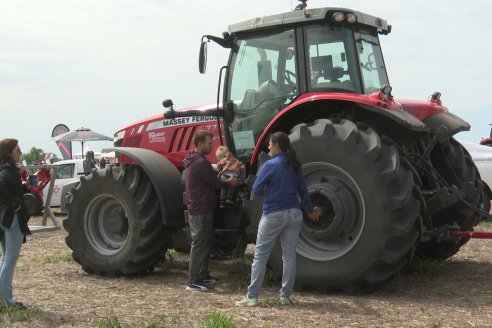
(341, 213)
(106, 224)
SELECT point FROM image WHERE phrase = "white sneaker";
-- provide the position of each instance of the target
(199, 287)
(246, 301)
(285, 300)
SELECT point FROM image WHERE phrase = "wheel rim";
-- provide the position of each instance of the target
(106, 224)
(342, 213)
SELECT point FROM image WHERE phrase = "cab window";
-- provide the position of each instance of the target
(263, 82)
(65, 171)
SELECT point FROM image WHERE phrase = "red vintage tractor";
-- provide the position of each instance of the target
(388, 176)
(34, 181)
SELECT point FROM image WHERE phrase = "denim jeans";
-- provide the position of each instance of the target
(11, 245)
(287, 224)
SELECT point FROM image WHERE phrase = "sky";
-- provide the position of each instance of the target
(103, 64)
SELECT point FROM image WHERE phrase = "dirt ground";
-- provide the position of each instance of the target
(454, 293)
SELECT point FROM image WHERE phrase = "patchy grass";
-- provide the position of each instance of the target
(58, 257)
(216, 319)
(112, 321)
(11, 315)
(175, 319)
(212, 319)
(109, 322)
(241, 280)
(172, 260)
(154, 322)
(421, 266)
(240, 276)
(485, 224)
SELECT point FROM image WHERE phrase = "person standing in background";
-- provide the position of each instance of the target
(201, 186)
(13, 218)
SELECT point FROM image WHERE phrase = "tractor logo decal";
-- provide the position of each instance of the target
(179, 121)
(157, 137)
(188, 120)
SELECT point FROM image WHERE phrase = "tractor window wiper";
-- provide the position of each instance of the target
(368, 41)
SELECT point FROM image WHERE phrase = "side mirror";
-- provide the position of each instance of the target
(168, 103)
(202, 57)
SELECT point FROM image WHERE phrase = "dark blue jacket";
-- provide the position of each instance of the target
(279, 183)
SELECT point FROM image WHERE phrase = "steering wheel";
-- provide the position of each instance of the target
(290, 78)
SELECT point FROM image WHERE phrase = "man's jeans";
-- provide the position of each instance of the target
(11, 245)
(202, 229)
(287, 224)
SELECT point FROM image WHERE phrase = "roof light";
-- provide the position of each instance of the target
(435, 97)
(351, 18)
(386, 92)
(338, 17)
(386, 89)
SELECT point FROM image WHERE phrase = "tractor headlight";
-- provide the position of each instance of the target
(118, 138)
(351, 18)
(338, 17)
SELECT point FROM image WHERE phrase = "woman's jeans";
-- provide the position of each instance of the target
(287, 224)
(11, 244)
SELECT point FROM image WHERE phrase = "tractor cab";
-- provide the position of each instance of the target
(326, 50)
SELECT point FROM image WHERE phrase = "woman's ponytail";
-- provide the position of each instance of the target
(293, 161)
(282, 140)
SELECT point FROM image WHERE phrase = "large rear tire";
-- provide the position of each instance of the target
(114, 222)
(366, 232)
(456, 167)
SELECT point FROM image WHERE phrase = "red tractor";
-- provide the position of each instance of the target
(33, 185)
(388, 176)
(487, 141)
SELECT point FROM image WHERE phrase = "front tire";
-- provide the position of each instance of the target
(366, 232)
(114, 222)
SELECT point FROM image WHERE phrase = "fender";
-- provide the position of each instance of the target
(392, 112)
(165, 178)
(401, 117)
(451, 122)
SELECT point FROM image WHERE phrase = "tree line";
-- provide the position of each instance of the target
(38, 156)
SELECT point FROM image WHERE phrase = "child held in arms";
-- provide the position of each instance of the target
(228, 166)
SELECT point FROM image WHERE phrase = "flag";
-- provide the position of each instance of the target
(64, 146)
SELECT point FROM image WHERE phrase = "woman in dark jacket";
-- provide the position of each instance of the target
(13, 218)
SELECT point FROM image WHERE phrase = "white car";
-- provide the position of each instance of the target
(69, 171)
(482, 156)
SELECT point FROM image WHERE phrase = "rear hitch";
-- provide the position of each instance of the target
(443, 233)
(472, 234)
(452, 233)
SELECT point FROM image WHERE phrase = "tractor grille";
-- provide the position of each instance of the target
(134, 141)
(182, 139)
